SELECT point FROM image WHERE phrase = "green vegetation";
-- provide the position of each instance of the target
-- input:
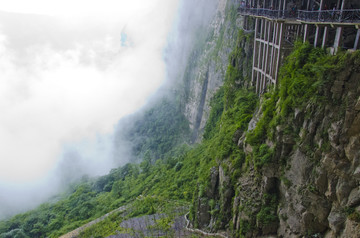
(352, 214)
(90, 199)
(268, 212)
(169, 170)
(159, 130)
(143, 205)
(302, 83)
(173, 174)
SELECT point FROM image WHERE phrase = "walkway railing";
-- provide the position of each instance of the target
(345, 16)
(342, 16)
(273, 14)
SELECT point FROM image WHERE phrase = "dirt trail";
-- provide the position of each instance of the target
(76, 232)
(182, 226)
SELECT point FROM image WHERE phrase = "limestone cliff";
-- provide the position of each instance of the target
(301, 172)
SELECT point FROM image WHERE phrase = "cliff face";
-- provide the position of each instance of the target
(207, 65)
(300, 168)
(323, 175)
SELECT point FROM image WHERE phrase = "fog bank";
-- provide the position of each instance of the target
(65, 82)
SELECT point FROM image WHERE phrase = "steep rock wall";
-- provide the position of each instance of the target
(301, 173)
(207, 65)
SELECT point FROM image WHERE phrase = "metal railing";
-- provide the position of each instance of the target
(343, 16)
(273, 14)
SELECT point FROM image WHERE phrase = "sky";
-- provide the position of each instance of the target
(69, 70)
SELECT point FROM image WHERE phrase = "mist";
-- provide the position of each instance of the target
(69, 74)
(67, 77)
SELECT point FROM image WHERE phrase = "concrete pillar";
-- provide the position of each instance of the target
(338, 6)
(305, 32)
(325, 35)
(279, 13)
(279, 51)
(254, 54)
(298, 31)
(284, 8)
(337, 40)
(342, 8)
(257, 83)
(258, 79)
(271, 70)
(263, 65)
(267, 47)
(343, 5)
(316, 35)
(308, 5)
(356, 44)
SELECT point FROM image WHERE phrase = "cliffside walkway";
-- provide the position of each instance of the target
(277, 30)
(349, 16)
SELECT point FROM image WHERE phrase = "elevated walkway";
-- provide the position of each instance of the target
(277, 30)
(335, 17)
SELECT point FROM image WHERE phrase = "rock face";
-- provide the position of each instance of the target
(312, 187)
(207, 66)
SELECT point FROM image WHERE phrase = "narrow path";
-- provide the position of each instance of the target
(76, 232)
(200, 231)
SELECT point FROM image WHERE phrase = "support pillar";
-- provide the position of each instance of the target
(337, 40)
(279, 51)
(305, 32)
(325, 35)
(342, 8)
(254, 54)
(356, 44)
(316, 35)
(338, 5)
(267, 51)
(263, 65)
(271, 69)
(284, 8)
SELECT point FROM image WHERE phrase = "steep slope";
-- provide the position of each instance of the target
(285, 164)
(300, 172)
(206, 67)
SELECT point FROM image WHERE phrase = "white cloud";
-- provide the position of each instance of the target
(122, 9)
(50, 97)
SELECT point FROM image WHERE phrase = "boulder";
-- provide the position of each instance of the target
(357, 105)
(354, 197)
(343, 189)
(336, 220)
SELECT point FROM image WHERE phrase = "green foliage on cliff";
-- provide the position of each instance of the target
(303, 79)
(159, 130)
(268, 211)
(306, 85)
